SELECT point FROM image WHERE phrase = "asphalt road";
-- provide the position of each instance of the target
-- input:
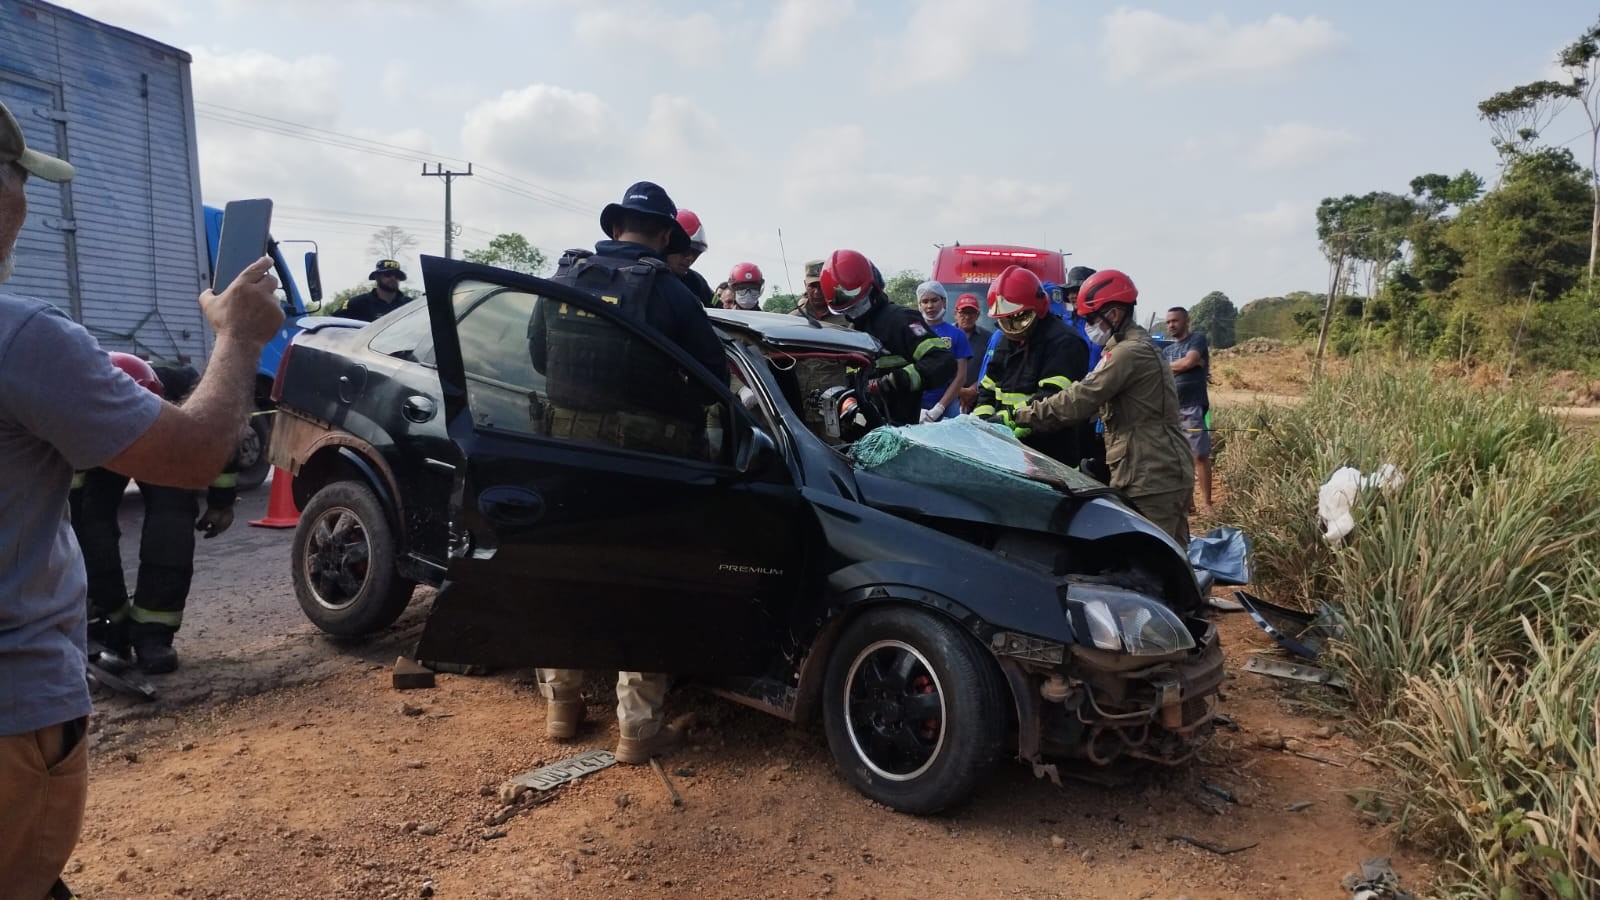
(243, 632)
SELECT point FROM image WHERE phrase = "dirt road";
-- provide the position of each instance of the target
(280, 764)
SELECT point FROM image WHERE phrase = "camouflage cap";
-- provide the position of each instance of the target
(14, 149)
(814, 271)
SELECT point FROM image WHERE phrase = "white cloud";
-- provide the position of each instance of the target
(134, 15)
(542, 129)
(1298, 145)
(1143, 45)
(793, 26)
(1284, 217)
(680, 130)
(306, 89)
(944, 39)
(694, 40)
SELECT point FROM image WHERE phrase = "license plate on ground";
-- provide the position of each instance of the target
(560, 773)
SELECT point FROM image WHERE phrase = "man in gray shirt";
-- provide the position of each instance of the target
(1190, 358)
(63, 406)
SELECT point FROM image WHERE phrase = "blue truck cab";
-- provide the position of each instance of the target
(253, 463)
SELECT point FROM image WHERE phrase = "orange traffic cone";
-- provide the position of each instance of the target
(281, 511)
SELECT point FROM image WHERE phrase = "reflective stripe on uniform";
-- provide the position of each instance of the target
(138, 613)
(891, 362)
(984, 410)
(226, 480)
(938, 343)
(77, 480)
(915, 376)
(1012, 400)
(1056, 381)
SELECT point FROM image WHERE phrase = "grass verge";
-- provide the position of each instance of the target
(1472, 595)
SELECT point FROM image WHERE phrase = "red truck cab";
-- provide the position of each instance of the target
(968, 269)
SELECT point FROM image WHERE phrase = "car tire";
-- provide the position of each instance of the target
(343, 557)
(913, 709)
(253, 459)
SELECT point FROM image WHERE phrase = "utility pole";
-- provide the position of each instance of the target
(448, 176)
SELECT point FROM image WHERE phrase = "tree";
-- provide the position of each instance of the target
(1216, 316)
(391, 242)
(509, 250)
(781, 303)
(1580, 60)
(1518, 115)
(902, 288)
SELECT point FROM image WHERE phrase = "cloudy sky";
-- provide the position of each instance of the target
(1187, 143)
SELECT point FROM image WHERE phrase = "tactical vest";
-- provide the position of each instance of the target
(589, 362)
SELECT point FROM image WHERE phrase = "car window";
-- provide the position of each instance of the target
(410, 336)
(550, 369)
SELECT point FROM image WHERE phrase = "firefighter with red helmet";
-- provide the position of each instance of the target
(150, 619)
(914, 356)
(681, 257)
(746, 282)
(1040, 356)
(1133, 390)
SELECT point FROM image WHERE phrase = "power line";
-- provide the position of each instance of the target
(327, 137)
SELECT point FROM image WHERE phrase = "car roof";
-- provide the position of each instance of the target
(780, 330)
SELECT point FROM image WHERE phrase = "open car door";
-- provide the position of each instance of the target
(619, 508)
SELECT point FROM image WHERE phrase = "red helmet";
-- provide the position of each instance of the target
(694, 229)
(847, 282)
(138, 370)
(1105, 287)
(1017, 290)
(745, 273)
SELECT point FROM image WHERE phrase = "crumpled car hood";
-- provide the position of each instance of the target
(968, 469)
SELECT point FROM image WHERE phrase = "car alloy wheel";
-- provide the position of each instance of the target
(338, 558)
(895, 710)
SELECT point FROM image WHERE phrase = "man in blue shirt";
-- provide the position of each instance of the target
(939, 402)
(1190, 358)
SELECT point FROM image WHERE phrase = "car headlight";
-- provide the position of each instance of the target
(1126, 621)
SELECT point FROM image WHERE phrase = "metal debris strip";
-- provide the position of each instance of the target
(672, 792)
(1277, 668)
(566, 770)
(1210, 847)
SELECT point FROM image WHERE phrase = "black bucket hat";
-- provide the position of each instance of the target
(650, 199)
(388, 267)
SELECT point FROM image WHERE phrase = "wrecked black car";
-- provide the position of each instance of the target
(940, 595)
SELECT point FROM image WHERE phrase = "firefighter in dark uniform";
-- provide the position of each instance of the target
(1039, 356)
(385, 296)
(601, 386)
(166, 542)
(680, 258)
(914, 355)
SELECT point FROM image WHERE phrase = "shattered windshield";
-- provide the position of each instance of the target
(964, 456)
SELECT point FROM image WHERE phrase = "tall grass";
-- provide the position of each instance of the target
(1472, 596)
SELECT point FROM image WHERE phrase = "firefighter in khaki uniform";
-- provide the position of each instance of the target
(1133, 390)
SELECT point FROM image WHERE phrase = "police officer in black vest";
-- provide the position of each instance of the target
(602, 389)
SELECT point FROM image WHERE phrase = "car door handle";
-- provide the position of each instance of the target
(511, 506)
(418, 408)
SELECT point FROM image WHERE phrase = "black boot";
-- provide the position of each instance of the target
(109, 640)
(155, 653)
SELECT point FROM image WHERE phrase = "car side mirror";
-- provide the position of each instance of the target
(313, 277)
(756, 452)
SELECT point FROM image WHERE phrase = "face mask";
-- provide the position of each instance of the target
(747, 298)
(1099, 334)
